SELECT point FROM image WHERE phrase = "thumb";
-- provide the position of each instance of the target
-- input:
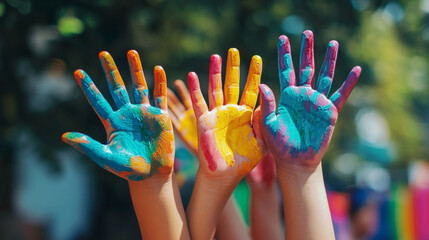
(267, 101)
(88, 146)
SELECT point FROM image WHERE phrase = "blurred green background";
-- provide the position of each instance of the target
(381, 130)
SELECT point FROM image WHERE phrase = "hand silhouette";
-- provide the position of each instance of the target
(183, 116)
(227, 142)
(301, 129)
(140, 137)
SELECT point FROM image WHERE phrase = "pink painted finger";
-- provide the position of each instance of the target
(215, 82)
(326, 75)
(198, 102)
(306, 60)
(267, 101)
(285, 64)
(140, 91)
(341, 95)
(160, 90)
(183, 93)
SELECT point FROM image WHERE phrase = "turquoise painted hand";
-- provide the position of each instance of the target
(140, 136)
(301, 129)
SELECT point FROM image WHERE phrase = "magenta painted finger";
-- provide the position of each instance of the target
(215, 82)
(326, 75)
(285, 64)
(306, 60)
(340, 96)
(198, 102)
(267, 101)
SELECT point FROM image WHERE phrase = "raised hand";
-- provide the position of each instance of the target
(301, 129)
(182, 116)
(227, 142)
(140, 136)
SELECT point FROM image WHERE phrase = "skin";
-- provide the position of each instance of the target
(140, 145)
(265, 213)
(231, 224)
(227, 146)
(299, 132)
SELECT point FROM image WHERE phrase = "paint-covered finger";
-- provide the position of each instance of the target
(306, 60)
(251, 90)
(114, 80)
(174, 120)
(267, 101)
(95, 98)
(326, 75)
(198, 102)
(232, 77)
(174, 104)
(160, 90)
(183, 93)
(341, 95)
(140, 91)
(98, 152)
(285, 65)
(215, 82)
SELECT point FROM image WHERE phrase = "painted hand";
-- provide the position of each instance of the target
(300, 132)
(264, 174)
(226, 139)
(182, 116)
(140, 136)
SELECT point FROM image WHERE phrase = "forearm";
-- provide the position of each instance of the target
(306, 209)
(231, 223)
(206, 205)
(265, 213)
(159, 208)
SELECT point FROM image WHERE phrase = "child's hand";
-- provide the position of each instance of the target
(227, 143)
(182, 116)
(300, 132)
(140, 136)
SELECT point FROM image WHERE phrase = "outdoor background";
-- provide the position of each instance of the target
(377, 156)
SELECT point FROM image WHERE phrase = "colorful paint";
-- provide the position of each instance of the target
(264, 174)
(303, 125)
(225, 131)
(183, 116)
(140, 136)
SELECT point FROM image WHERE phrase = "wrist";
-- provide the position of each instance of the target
(215, 184)
(153, 183)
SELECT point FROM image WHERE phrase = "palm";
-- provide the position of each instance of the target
(301, 130)
(140, 136)
(229, 127)
(137, 132)
(309, 118)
